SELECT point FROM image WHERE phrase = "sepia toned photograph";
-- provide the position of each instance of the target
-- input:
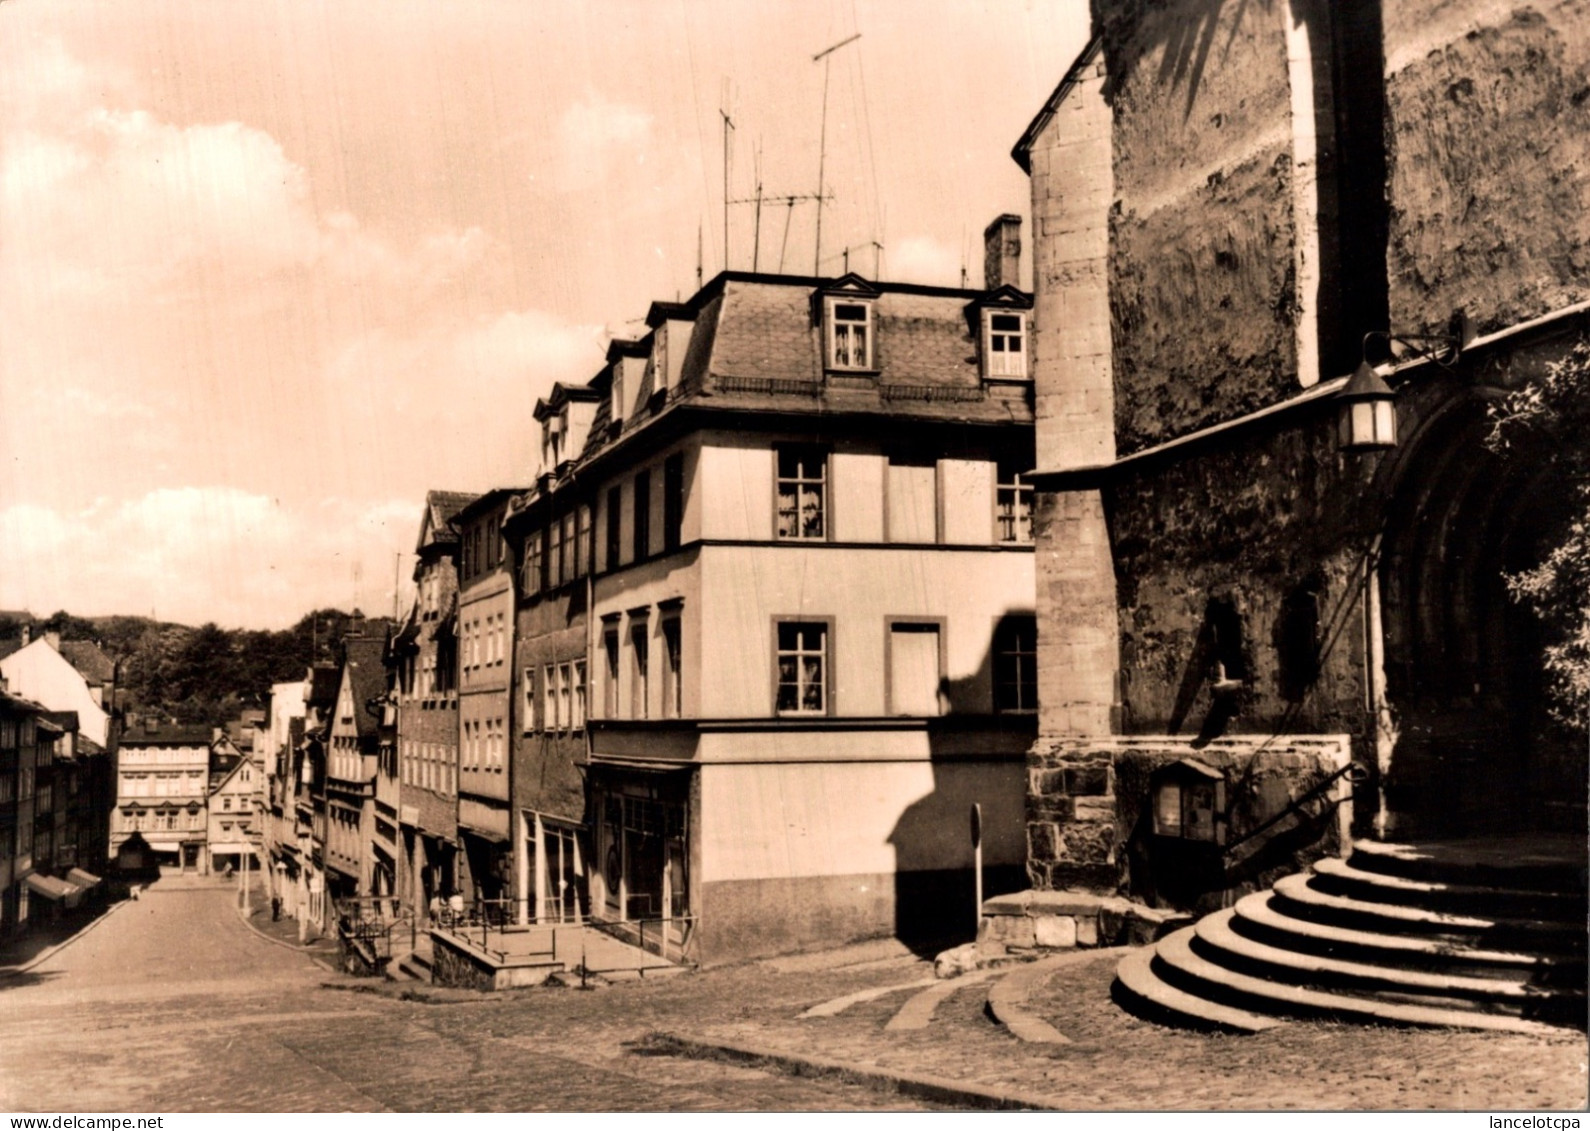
(664, 556)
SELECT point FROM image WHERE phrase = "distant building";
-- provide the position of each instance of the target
(162, 783)
(236, 809)
(72, 675)
(485, 696)
(27, 746)
(425, 658)
(276, 747)
(357, 862)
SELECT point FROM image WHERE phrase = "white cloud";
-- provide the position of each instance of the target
(922, 259)
(205, 553)
(596, 134)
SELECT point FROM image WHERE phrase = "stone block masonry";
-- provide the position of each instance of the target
(1088, 799)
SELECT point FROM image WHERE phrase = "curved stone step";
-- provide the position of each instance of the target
(1257, 917)
(1177, 963)
(1147, 995)
(1535, 863)
(1303, 900)
(1226, 947)
(1341, 878)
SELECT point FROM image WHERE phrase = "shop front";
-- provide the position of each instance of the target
(642, 841)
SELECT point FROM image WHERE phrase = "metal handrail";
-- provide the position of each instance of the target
(1353, 772)
(619, 928)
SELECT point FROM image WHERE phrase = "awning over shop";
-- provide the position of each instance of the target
(81, 878)
(51, 888)
(165, 846)
(230, 848)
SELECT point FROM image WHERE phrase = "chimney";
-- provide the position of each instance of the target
(53, 639)
(1002, 252)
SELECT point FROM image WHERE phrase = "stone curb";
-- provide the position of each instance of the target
(935, 1089)
(294, 947)
(1007, 998)
(50, 952)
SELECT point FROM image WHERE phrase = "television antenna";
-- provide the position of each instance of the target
(826, 57)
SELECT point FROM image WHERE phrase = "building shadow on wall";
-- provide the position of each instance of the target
(935, 903)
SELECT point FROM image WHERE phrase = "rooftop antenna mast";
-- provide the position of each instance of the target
(826, 56)
(728, 158)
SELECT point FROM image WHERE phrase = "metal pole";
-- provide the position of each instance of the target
(822, 146)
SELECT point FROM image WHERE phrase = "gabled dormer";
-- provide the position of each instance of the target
(565, 418)
(671, 326)
(845, 309)
(626, 359)
(1000, 322)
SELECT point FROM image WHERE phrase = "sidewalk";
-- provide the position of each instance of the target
(284, 931)
(19, 955)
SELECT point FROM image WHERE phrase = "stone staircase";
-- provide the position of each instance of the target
(1472, 934)
(410, 964)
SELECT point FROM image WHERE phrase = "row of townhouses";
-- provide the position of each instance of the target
(57, 787)
(737, 662)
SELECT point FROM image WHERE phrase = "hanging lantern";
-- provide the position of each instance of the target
(1367, 413)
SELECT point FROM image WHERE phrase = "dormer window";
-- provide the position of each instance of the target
(849, 334)
(1004, 343)
(659, 358)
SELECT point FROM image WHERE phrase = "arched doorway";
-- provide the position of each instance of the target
(1475, 752)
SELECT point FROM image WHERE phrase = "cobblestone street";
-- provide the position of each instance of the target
(239, 1023)
(172, 1005)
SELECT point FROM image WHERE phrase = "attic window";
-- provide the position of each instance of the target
(1005, 344)
(849, 334)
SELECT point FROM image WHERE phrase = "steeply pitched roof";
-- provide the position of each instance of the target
(91, 663)
(440, 508)
(323, 681)
(1021, 152)
(367, 677)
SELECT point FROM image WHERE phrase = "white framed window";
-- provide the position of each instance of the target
(528, 700)
(577, 721)
(802, 509)
(849, 334)
(565, 697)
(801, 686)
(1012, 506)
(1004, 343)
(549, 699)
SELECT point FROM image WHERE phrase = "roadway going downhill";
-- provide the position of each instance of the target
(171, 1004)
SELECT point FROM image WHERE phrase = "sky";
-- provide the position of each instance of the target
(271, 270)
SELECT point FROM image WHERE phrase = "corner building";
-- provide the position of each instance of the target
(776, 589)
